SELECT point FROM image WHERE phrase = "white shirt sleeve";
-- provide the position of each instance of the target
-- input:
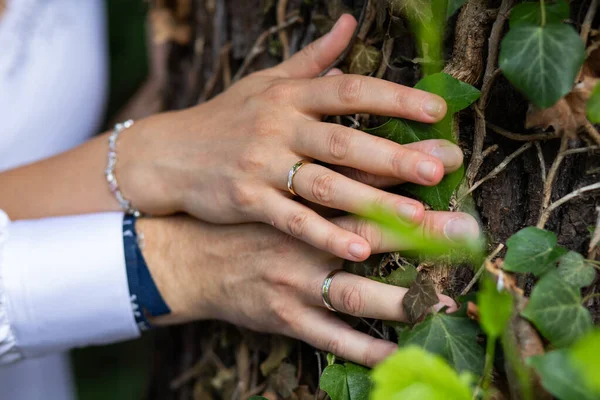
(63, 284)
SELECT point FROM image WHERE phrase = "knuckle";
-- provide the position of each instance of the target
(350, 89)
(398, 161)
(323, 188)
(352, 298)
(243, 196)
(279, 92)
(367, 357)
(370, 233)
(297, 224)
(252, 160)
(339, 143)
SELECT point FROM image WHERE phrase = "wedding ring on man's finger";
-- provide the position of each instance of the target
(292, 173)
(325, 289)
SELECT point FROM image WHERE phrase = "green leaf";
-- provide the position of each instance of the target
(532, 250)
(542, 61)
(404, 276)
(453, 6)
(413, 374)
(453, 338)
(346, 382)
(592, 108)
(531, 13)
(364, 59)
(585, 357)
(574, 269)
(458, 96)
(495, 308)
(559, 377)
(556, 311)
(419, 299)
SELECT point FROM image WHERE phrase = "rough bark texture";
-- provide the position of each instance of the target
(192, 358)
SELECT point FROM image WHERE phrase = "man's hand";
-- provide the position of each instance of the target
(257, 277)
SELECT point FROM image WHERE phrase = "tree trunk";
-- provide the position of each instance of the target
(213, 360)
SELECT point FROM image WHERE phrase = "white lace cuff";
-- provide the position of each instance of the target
(9, 352)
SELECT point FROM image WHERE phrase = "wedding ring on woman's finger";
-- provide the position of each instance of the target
(292, 173)
(326, 287)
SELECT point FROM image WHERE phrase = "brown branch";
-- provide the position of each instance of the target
(481, 269)
(283, 36)
(587, 22)
(258, 47)
(595, 237)
(489, 150)
(521, 137)
(365, 26)
(488, 77)
(494, 173)
(540, 154)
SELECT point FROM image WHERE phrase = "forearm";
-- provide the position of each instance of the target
(66, 184)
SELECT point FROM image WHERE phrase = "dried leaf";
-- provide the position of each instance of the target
(420, 298)
(364, 59)
(284, 380)
(280, 349)
(166, 28)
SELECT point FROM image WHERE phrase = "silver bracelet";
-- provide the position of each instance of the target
(113, 185)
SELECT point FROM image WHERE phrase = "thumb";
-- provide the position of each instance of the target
(317, 56)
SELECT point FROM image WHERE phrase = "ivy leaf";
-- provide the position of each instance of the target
(532, 250)
(585, 357)
(556, 311)
(346, 382)
(574, 270)
(364, 59)
(592, 108)
(559, 377)
(542, 61)
(404, 276)
(420, 298)
(453, 338)
(531, 13)
(495, 308)
(413, 374)
(458, 96)
(453, 6)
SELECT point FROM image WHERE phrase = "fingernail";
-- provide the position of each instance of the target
(426, 170)
(449, 154)
(434, 107)
(406, 211)
(461, 229)
(356, 250)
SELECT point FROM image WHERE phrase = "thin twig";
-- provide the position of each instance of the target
(521, 137)
(595, 237)
(548, 185)
(348, 48)
(540, 154)
(571, 196)
(489, 150)
(481, 269)
(587, 22)
(258, 47)
(581, 150)
(592, 131)
(283, 36)
(212, 83)
(497, 170)
(365, 26)
(372, 326)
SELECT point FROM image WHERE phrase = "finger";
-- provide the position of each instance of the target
(314, 58)
(321, 185)
(340, 145)
(362, 297)
(305, 224)
(455, 227)
(323, 330)
(349, 94)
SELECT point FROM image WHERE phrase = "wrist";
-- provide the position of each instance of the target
(168, 254)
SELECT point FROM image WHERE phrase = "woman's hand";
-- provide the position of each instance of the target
(254, 276)
(227, 161)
